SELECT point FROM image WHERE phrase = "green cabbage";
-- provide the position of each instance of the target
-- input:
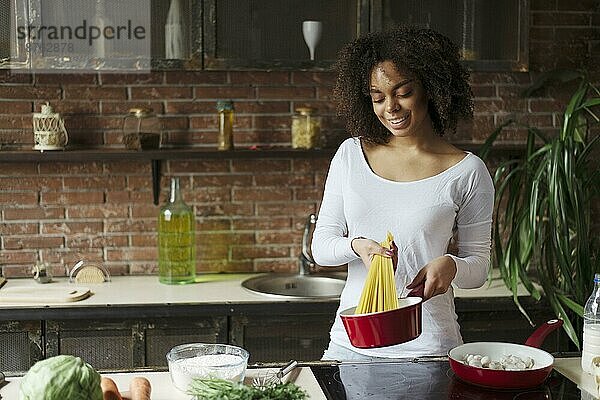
(62, 377)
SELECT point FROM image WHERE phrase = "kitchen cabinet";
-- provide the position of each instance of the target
(21, 345)
(128, 343)
(133, 321)
(267, 34)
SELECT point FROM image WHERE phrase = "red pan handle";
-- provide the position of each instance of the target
(537, 337)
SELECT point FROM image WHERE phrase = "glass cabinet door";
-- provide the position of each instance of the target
(269, 33)
(492, 35)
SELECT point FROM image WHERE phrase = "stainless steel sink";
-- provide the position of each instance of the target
(298, 286)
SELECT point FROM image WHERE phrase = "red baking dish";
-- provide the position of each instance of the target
(385, 328)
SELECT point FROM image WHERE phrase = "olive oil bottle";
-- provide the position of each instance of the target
(176, 239)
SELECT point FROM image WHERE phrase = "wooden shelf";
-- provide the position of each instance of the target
(190, 153)
(107, 154)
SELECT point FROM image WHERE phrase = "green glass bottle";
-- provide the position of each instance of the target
(176, 240)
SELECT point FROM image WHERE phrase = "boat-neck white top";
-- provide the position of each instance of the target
(421, 215)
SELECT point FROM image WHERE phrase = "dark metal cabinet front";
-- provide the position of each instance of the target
(20, 345)
(126, 344)
(283, 337)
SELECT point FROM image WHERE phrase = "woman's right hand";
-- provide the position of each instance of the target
(367, 248)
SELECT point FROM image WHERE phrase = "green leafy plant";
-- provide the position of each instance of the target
(543, 227)
(220, 389)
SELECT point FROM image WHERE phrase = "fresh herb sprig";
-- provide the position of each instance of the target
(220, 389)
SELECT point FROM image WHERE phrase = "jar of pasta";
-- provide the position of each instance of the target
(306, 129)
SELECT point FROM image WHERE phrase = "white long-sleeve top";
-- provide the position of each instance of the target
(421, 215)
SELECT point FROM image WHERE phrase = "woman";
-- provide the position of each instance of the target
(400, 92)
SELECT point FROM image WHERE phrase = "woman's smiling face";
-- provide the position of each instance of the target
(399, 101)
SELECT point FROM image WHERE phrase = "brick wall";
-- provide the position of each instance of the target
(250, 213)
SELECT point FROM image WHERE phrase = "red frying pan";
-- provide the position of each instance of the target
(506, 379)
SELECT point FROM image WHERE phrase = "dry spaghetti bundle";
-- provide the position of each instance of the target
(379, 292)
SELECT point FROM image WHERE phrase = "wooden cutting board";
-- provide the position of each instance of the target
(43, 294)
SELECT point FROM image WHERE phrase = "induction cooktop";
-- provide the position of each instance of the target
(423, 380)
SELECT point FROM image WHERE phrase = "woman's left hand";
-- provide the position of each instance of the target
(436, 276)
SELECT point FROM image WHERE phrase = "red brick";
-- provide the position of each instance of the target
(579, 34)
(70, 79)
(221, 238)
(15, 107)
(260, 165)
(93, 182)
(69, 168)
(488, 106)
(174, 122)
(123, 107)
(144, 211)
(33, 214)
(262, 107)
(127, 167)
(250, 252)
(132, 254)
(261, 194)
(18, 257)
(212, 224)
(229, 209)
(95, 93)
(284, 180)
(132, 78)
(209, 195)
(69, 228)
(224, 92)
(95, 241)
(201, 181)
(17, 198)
(16, 76)
(133, 226)
(190, 107)
(30, 92)
(280, 265)
(199, 166)
(324, 93)
(484, 91)
(196, 77)
(161, 92)
(287, 209)
(260, 77)
(12, 169)
(20, 228)
(272, 122)
(144, 240)
(303, 194)
(313, 78)
(253, 224)
(288, 92)
(29, 183)
(15, 122)
(71, 197)
(98, 211)
(32, 242)
(213, 251)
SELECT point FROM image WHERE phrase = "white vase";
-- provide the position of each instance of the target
(175, 38)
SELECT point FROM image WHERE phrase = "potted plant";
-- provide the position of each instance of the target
(542, 234)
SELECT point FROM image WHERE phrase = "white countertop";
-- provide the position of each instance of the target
(217, 289)
(571, 368)
(163, 389)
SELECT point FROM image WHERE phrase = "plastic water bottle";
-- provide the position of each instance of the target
(591, 328)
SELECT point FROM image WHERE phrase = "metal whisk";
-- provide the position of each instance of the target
(274, 378)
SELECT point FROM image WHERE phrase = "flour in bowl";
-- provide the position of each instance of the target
(223, 366)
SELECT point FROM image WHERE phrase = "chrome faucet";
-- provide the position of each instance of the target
(307, 263)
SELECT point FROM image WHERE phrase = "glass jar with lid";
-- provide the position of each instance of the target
(141, 129)
(306, 128)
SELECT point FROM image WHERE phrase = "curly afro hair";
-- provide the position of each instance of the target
(424, 54)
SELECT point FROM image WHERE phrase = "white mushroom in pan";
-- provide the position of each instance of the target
(507, 362)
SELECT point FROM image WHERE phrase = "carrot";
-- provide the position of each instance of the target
(109, 389)
(140, 388)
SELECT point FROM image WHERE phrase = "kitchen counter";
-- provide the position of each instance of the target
(218, 289)
(163, 389)
(396, 379)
